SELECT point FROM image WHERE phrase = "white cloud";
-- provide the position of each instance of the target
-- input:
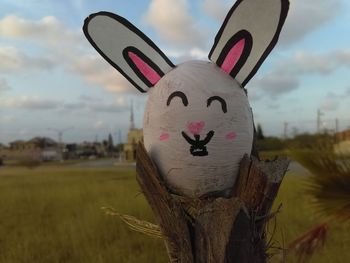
(39, 103)
(174, 23)
(197, 53)
(7, 118)
(331, 102)
(97, 105)
(305, 17)
(4, 85)
(307, 62)
(30, 102)
(253, 95)
(60, 47)
(347, 92)
(180, 56)
(86, 98)
(96, 71)
(275, 83)
(343, 57)
(273, 106)
(74, 106)
(72, 54)
(46, 30)
(121, 101)
(107, 108)
(99, 124)
(12, 59)
(285, 73)
(217, 9)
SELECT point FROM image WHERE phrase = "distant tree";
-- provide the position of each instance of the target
(270, 144)
(40, 142)
(110, 145)
(120, 147)
(259, 133)
(310, 141)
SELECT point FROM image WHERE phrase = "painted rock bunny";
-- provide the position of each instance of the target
(197, 123)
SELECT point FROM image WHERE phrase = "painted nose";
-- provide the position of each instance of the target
(195, 127)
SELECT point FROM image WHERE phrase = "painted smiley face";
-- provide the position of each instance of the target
(197, 119)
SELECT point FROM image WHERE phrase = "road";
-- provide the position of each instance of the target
(296, 168)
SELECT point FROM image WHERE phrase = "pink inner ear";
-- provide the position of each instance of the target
(150, 74)
(233, 56)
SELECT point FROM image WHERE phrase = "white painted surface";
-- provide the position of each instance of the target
(260, 19)
(184, 173)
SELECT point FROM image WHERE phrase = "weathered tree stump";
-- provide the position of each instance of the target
(215, 229)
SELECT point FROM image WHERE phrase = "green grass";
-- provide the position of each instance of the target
(52, 214)
(297, 216)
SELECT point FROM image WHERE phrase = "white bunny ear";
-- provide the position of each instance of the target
(127, 49)
(247, 36)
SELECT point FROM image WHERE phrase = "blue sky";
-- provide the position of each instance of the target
(50, 77)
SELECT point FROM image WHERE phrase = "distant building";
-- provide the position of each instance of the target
(50, 154)
(2, 146)
(342, 145)
(343, 136)
(69, 151)
(20, 145)
(41, 148)
(3, 150)
(134, 137)
(88, 149)
(34, 143)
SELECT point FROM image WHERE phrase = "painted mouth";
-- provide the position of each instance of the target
(198, 146)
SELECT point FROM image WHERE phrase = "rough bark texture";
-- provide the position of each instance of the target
(170, 215)
(217, 229)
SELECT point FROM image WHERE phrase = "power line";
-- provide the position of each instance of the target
(60, 132)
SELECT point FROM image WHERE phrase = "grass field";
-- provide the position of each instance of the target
(52, 214)
(298, 215)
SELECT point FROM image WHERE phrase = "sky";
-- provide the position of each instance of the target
(52, 80)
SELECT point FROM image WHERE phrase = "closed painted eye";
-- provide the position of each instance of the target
(179, 94)
(219, 99)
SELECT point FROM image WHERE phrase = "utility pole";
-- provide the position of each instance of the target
(120, 148)
(132, 122)
(60, 133)
(119, 137)
(336, 135)
(319, 115)
(285, 133)
(336, 125)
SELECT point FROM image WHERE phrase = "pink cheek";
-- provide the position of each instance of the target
(164, 137)
(231, 136)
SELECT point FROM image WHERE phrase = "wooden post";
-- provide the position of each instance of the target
(215, 229)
